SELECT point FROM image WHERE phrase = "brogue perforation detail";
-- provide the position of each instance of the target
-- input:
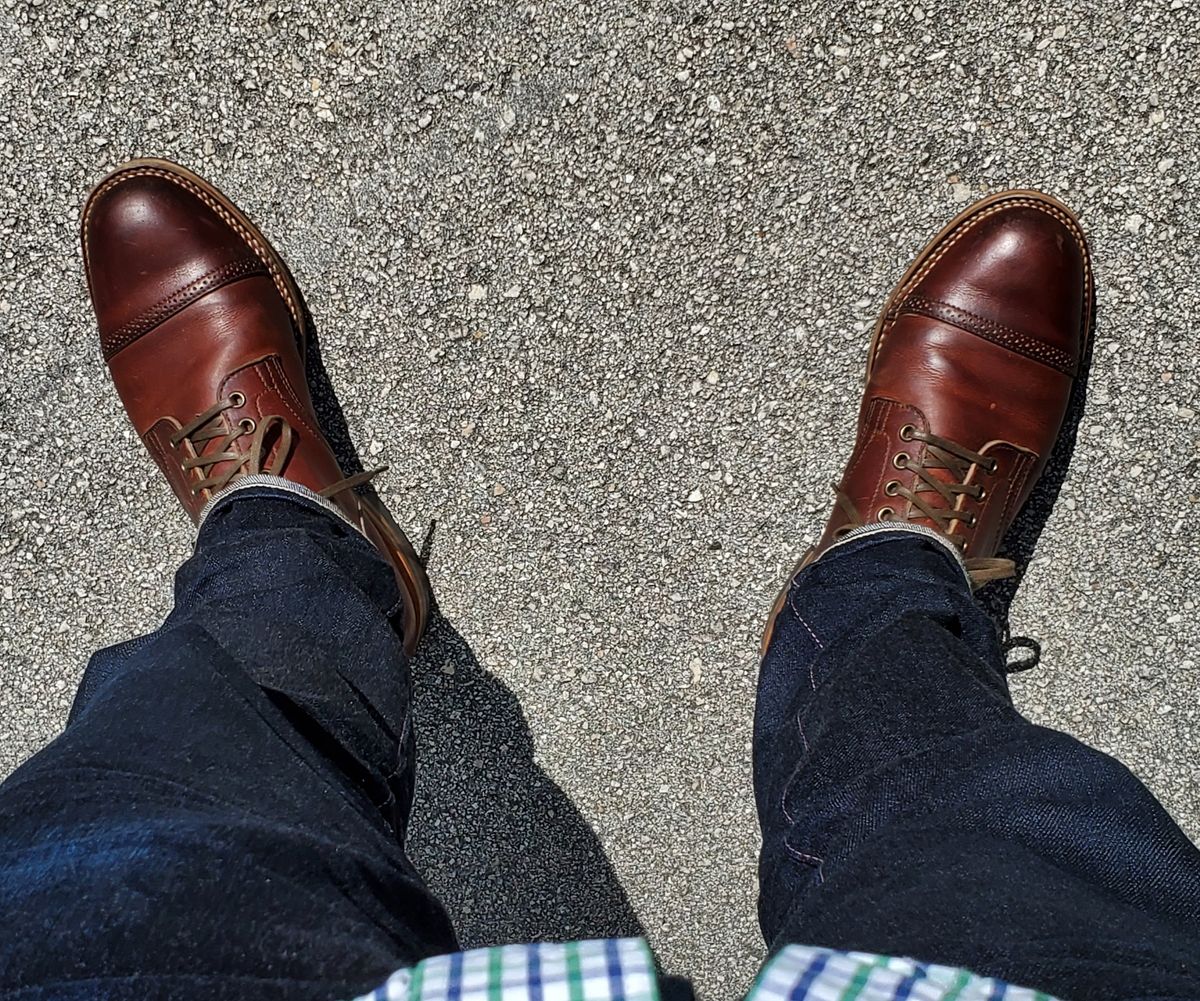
(178, 301)
(998, 333)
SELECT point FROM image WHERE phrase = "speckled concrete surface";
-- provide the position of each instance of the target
(597, 281)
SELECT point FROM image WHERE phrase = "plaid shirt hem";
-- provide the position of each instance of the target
(598, 970)
(623, 970)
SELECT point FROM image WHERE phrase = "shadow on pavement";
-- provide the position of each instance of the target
(502, 846)
(1022, 652)
(325, 403)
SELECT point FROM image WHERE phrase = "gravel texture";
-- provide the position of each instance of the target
(597, 281)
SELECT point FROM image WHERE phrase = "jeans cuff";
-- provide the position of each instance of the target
(259, 481)
(895, 528)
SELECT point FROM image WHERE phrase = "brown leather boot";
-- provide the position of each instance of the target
(969, 375)
(204, 332)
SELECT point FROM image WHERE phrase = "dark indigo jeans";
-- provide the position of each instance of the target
(222, 816)
(908, 809)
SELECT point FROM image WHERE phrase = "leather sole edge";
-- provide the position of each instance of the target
(415, 589)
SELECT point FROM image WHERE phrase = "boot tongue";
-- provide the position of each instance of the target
(261, 435)
(930, 497)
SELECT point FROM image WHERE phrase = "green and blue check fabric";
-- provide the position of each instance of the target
(624, 970)
(806, 973)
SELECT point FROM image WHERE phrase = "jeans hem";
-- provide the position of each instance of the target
(260, 480)
(888, 527)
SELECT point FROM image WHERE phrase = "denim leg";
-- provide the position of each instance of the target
(908, 809)
(223, 815)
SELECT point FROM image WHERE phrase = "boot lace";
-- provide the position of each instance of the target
(939, 454)
(213, 426)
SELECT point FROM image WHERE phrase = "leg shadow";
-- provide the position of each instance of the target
(325, 403)
(499, 843)
(1022, 652)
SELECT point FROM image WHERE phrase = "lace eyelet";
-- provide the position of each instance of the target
(907, 432)
(886, 513)
(994, 466)
(237, 399)
(247, 425)
(839, 533)
(982, 494)
(891, 487)
(900, 461)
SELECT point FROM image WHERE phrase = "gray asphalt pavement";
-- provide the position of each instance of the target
(597, 281)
